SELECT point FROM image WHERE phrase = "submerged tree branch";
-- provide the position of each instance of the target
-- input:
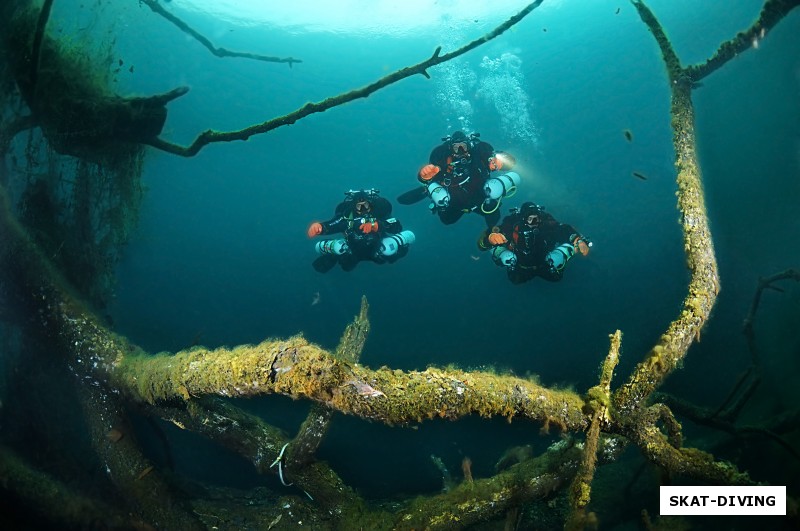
(219, 52)
(772, 13)
(299, 369)
(750, 379)
(725, 417)
(210, 136)
(667, 355)
(599, 400)
(316, 424)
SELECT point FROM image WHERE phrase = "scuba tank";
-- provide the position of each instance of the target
(336, 247)
(439, 195)
(392, 243)
(504, 185)
(502, 256)
(558, 257)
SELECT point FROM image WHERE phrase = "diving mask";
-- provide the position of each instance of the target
(362, 207)
(460, 148)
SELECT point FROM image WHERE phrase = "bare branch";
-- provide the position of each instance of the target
(219, 52)
(772, 13)
(210, 136)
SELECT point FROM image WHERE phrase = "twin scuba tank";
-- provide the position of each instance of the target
(495, 188)
(393, 242)
(556, 259)
(440, 197)
(504, 185)
(504, 257)
(388, 246)
(336, 247)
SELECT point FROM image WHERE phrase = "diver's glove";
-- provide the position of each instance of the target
(483, 240)
(581, 244)
(368, 227)
(315, 229)
(428, 172)
(497, 238)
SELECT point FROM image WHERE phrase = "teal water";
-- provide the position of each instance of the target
(220, 256)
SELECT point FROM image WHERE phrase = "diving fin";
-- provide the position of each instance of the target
(415, 195)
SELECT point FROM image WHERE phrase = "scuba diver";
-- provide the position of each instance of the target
(369, 233)
(530, 242)
(458, 179)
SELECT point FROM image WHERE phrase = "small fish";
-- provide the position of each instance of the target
(476, 258)
(315, 299)
(639, 176)
(616, 12)
(120, 62)
(628, 135)
(131, 69)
